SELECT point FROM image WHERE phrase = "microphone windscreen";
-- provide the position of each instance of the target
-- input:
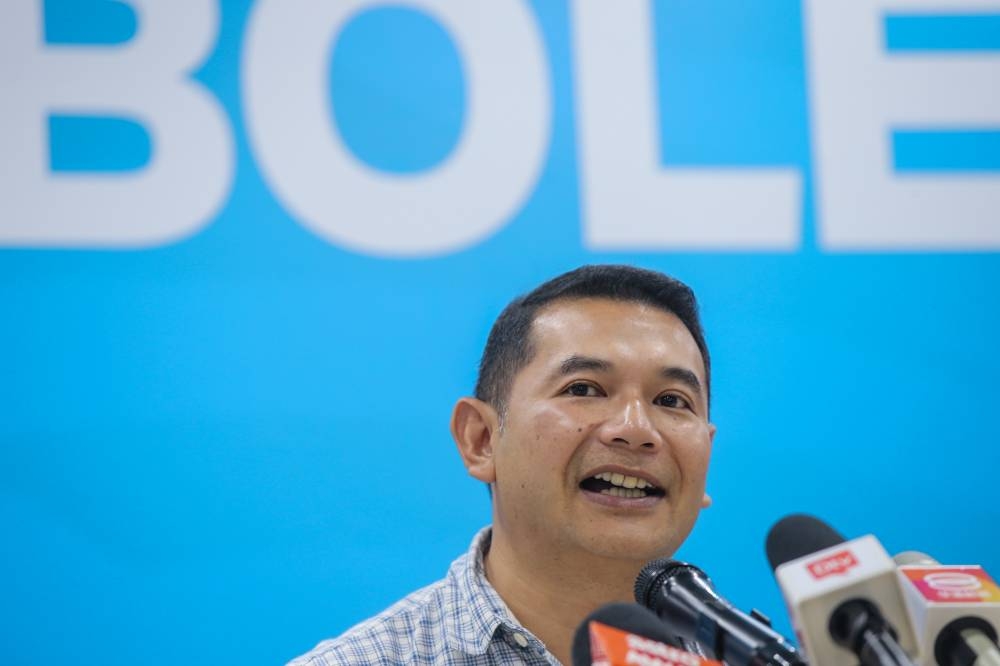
(798, 535)
(653, 574)
(632, 618)
(915, 557)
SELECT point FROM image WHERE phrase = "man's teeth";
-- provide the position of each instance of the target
(623, 485)
(624, 492)
(622, 480)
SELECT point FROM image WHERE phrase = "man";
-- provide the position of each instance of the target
(590, 425)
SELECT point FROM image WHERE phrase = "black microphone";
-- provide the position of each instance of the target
(684, 598)
(631, 618)
(843, 596)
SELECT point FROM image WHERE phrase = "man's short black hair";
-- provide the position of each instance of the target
(509, 346)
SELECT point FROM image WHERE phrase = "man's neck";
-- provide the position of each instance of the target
(551, 595)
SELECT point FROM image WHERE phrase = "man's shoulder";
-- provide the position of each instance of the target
(451, 621)
(396, 635)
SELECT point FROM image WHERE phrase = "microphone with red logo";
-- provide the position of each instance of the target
(955, 611)
(620, 634)
(843, 596)
(698, 618)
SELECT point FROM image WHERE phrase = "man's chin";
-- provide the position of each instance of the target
(632, 547)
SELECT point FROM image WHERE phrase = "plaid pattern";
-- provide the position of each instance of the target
(459, 621)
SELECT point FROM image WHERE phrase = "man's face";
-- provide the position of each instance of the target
(605, 443)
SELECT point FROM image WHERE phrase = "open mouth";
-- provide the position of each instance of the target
(621, 485)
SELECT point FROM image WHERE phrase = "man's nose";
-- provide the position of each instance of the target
(631, 426)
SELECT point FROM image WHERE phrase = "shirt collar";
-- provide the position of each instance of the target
(478, 611)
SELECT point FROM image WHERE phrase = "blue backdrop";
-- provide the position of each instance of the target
(225, 446)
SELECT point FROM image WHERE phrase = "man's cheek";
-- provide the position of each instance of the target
(551, 419)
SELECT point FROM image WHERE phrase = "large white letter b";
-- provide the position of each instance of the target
(191, 166)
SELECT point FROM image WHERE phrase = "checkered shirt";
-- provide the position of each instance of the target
(458, 621)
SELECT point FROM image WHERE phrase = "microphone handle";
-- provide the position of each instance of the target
(879, 648)
(974, 648)
(858, 625)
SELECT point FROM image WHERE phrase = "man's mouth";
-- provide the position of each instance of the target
(621, 485)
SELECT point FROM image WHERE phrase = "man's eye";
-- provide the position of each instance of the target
(673, 401)
(582, 390)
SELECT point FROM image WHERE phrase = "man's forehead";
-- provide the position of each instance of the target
(594, 313)
(600, 321)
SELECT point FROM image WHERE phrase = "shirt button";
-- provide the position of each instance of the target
(520, 640)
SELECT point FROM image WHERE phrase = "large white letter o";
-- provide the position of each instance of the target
(485, 179)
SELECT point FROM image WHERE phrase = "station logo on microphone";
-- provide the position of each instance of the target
(958, 584)
(610, 646)
(836, 563)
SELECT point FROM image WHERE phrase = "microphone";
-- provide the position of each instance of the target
(954, 609)
(619, 634)
(843, 596)
(696, 616)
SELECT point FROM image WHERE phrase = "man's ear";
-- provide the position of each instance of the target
(706, 500)
(473, 425)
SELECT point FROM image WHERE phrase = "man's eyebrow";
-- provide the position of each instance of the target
(577, 363)
(684, 376)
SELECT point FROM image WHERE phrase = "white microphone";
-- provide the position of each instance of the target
(843, 596)
(955, 611)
